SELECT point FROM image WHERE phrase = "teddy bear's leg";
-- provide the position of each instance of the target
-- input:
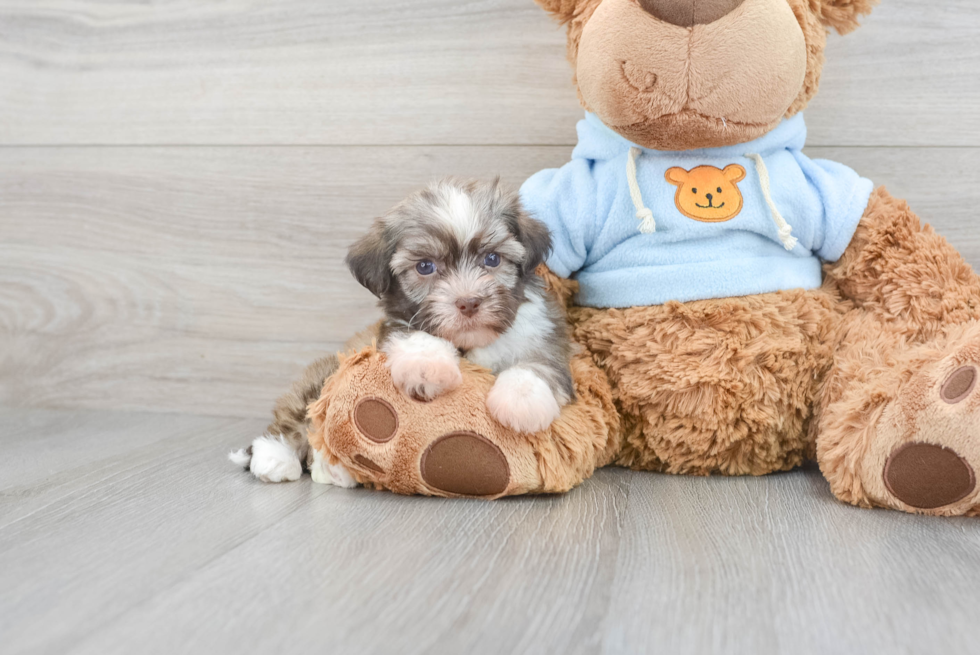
(898, 418)
(715, 386)
(451, 445)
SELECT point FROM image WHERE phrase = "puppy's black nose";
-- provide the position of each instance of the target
(468, 306)
(687, 13)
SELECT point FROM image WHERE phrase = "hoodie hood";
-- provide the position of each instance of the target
(598, 142)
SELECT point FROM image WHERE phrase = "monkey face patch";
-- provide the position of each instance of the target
(706, 193)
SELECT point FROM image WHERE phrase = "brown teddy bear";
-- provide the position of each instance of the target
(743, 308)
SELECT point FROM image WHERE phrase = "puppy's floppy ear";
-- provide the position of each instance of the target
(532, 234)
(369, 257)
(842, 15)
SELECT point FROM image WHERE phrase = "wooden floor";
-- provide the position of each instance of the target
(178, 182)
(126, 533)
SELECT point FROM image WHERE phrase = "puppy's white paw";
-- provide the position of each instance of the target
(522, 401)
(325, 473)
(273, 460)
(423, 366)
(240, 457)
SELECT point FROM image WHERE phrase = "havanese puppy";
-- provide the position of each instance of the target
(453, 267)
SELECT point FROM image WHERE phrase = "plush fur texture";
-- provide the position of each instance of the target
(583, 438)
(912, 310)
(883, 360)
(883, 392)
(716, 386)
(726, 82)
(734, 386)
(675, 88)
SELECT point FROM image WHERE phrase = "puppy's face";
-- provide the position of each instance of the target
(452, 260)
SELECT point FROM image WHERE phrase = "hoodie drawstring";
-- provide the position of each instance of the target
(785, 229)
(649, 226)
(643, 214)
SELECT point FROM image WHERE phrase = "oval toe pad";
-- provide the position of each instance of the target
(376, 419)
(465, 464)
(928, 476)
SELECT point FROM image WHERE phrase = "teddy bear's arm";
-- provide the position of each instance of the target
(844, 197)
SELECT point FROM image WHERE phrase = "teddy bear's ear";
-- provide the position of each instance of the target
(563, 10)
(734, 173)
(676, 176)
(842, 15)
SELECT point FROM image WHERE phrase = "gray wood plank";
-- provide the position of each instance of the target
(180, 551)
(50, 456)
(97, 538)
(777, 565)
(204, 279)
(194, 259)
(375, 573)
(412, 72)
(902, 79)
(173, 550)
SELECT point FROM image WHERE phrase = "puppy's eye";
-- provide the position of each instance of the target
(425, 267)
(492, 260)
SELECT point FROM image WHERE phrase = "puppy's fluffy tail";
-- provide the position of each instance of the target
(280, 453)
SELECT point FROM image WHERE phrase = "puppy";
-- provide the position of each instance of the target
(453, 267)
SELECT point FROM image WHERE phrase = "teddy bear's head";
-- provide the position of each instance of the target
(684, 74)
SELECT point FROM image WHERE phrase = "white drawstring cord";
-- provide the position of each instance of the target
(643, 214)
(649, 226)
(785, 229)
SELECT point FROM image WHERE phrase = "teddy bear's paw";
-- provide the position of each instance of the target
(522, 401)
(927, 450)
(399, 450)
(465, 464)
(423, 366)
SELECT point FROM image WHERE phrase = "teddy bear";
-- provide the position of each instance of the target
(739, 307)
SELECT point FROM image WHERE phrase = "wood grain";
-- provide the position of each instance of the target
(409, 72)
(149, 268)
(776, 565)
(169, 531)
(179, 181)
(160, 546)
(204, 279)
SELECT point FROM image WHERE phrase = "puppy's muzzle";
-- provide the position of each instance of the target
(468, 307)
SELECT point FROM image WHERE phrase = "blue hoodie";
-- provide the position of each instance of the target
(667, 240)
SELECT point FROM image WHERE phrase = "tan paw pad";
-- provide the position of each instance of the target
(376, 419)
(369, 464)
(959, 384)
(927, 476)
(465, 464)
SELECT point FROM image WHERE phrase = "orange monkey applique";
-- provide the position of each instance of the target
(706, 193)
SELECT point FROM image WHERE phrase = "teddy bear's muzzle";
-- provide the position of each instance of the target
(677, 75)
(685, 13)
